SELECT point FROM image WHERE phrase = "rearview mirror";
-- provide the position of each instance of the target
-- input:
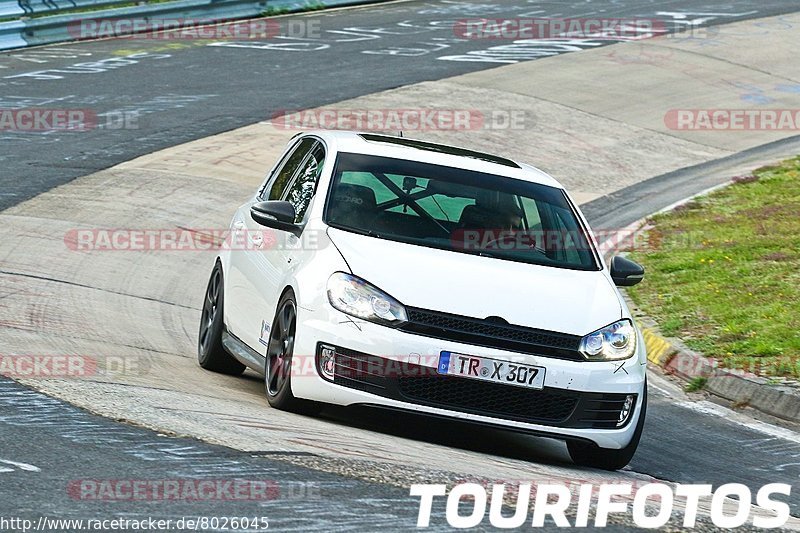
(626, 273)
(276, 214)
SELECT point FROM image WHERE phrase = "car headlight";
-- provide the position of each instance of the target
(354, 296)
(611, 343)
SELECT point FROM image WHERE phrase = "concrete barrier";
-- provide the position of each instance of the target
(738, 387)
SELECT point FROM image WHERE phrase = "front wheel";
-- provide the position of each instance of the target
(278, 375)
(586, 454)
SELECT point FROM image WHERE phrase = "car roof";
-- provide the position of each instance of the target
(434, 153)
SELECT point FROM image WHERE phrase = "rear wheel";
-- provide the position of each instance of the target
(210, 353)
(590, 454)
(278, 375)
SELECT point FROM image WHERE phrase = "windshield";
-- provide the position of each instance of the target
(458, 210)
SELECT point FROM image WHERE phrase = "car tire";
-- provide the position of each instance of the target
(211, 354)
(278, 371)
(590, 454)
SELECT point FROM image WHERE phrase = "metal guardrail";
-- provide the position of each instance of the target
(10, 9)
(40, 22)
(11, 35)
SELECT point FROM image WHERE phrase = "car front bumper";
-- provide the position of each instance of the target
(385, 367)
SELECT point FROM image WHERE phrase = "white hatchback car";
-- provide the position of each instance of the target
(413, 276)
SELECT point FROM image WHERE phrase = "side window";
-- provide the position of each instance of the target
(283, 176)
(305, 182)
(572, 249)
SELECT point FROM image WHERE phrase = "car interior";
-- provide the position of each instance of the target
(415, 209)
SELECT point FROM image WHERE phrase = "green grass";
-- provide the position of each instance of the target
(696, 384)
(723, 272)
(275, 11)
(90, 9)
(309, 6)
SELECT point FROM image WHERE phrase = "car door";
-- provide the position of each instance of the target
(258, 263)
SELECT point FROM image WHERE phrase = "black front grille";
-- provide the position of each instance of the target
(486, 332)
(422, 385)
(489, 399)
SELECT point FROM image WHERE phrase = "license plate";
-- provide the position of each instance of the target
(494, 370)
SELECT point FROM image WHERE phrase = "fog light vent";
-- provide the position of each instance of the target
(627, 409)
(327, 361)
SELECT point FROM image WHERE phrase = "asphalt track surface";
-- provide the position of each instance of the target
(70, 448)
(187, 92)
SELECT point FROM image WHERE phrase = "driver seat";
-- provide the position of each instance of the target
(353, 206)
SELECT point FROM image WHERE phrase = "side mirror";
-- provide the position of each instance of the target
(626, 273)
(276, 214)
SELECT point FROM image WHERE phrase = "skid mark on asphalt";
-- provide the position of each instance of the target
(779, 448)
(764, 439)
(709, 408)
(677, 397)
(84, 286)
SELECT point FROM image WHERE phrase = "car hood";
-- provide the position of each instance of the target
(555, 299)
